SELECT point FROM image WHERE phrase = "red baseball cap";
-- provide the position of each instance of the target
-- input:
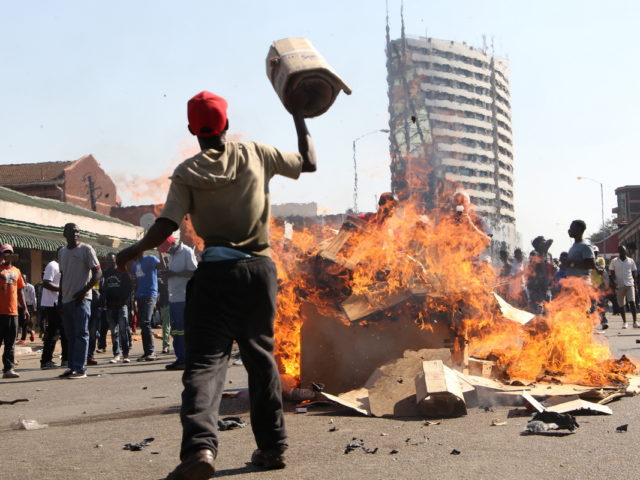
(167, 244)
(207, 111)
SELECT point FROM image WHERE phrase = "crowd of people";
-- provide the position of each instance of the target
(81, 300)
(529, 284)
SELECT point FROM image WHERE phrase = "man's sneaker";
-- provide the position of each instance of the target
(48, 365)
(10, 374)
(75, 375)
(64, 363)
(625, 325)
(91, 361)
(101, 350)
(165, 349)
(150, 358)
(175, 366)
(636, 325)
(115, 359)
(21, 342)
(271, 459)
(32, 337)
(126, 360)
(66, 373)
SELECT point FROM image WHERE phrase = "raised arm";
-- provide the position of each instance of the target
(158, 233)
(306, 148)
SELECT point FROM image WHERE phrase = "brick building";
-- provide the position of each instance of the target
(81, 182)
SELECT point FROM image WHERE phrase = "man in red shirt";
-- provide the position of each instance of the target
(11, 285)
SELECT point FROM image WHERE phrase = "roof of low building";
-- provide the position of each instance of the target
(8, 195)
(32, 173)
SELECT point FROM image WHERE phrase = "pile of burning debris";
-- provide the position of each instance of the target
(396, 314)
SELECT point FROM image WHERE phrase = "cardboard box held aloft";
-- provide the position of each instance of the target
(294, 63)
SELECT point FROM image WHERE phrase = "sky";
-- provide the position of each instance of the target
(112, 79)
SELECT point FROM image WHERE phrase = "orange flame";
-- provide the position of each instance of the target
(435, 260)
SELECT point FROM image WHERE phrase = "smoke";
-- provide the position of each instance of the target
(137, 189)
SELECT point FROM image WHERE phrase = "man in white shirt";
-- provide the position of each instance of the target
(623, 274)
(49, 304)
(182, 264)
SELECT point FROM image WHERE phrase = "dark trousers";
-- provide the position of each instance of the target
(103, 330)
(26, 326)
(227, 301)
(8, 333)
(53, 332)
(145, 312)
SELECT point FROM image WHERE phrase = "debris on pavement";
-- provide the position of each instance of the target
(536, 426)
(622, 428)
(230, 423)
(563, 421)
(13, 402)
(455, 452)
(356, 443)
(497, 422)
(27, 424)
(136, 447)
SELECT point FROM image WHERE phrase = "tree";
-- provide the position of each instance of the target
(605, 230)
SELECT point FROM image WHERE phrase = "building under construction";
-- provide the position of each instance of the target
(450, 122)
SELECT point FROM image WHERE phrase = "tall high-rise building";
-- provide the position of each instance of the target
(450, 122)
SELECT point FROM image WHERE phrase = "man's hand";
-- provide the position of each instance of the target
(79, 296)
(297, 101)
(26, 315)
(126, 256)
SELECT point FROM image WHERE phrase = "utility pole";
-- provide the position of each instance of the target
(93, 192)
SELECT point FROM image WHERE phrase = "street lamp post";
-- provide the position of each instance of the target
(604, 238)
(355, 167)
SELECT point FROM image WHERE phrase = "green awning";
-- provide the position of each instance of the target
(41, 237)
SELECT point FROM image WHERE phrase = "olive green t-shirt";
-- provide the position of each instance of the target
(226, 193)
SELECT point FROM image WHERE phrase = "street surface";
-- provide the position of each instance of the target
(90, 420)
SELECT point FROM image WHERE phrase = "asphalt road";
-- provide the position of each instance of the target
(90, 420)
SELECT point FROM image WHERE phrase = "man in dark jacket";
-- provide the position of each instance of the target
(116, 292)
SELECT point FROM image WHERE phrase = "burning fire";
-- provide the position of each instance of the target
(437, 259)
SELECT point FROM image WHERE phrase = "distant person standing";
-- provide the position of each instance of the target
(26, 321)
(80, 271)
(623, 273)
(516, 283)
(53, 320)
(182, 264)
(581, 257)
(146, 273)
(11, 295)
(116, 293)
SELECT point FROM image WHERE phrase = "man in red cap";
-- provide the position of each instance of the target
(232, 295)
(11, 285)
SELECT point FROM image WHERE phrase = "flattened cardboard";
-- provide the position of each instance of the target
(512, 313)
(574, 404)
(438, 391)
(357, 400)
